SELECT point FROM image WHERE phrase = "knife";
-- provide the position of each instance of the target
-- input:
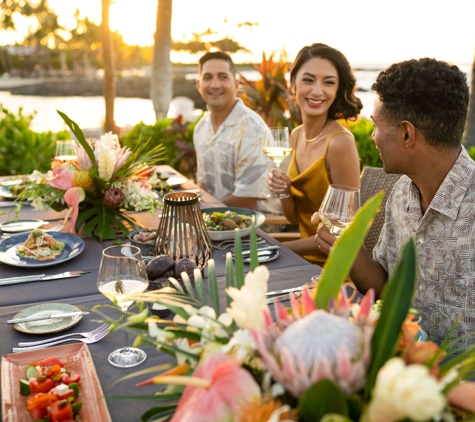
(280, 292)
(271, 300)
(41, 318)
(40, 277)
(267, 248)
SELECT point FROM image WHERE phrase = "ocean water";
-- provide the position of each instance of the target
(89, 112)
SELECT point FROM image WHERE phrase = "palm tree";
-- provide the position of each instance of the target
(109, 73)
(469, 136)
(161, 84)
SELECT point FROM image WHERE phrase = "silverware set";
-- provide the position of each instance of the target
(41, 277)
(87, 337)
(225, 244)
(56, 228)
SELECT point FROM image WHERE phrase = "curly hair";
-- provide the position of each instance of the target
(346, 104)
(216, 55)
(433, 95)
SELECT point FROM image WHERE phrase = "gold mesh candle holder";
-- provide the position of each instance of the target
(182, 231)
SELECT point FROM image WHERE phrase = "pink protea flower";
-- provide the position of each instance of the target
(218, 387)
(307, 344)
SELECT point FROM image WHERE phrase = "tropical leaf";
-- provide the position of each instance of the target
(320, 399)
(397, 296)
(345, 250)
(79, 135)
(155, 411)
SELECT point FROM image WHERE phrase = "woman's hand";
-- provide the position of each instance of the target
(279, 182)
(323, 238)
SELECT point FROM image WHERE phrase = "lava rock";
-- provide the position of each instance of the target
(159, 266)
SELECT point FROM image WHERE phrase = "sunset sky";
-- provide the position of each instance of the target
(366, 31)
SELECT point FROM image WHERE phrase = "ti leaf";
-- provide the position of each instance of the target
(320, 399)
(79, 135)
(345, 250)
(397, 296)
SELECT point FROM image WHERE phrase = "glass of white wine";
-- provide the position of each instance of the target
(65, 150)
(277, 147)
(121, 274)
(338, 208)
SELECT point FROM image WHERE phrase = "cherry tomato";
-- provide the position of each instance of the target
(74, 378)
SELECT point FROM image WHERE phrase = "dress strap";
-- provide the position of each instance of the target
(331, 137)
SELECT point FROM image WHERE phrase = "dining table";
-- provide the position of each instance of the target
(288, 270)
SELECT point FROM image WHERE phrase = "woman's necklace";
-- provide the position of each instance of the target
(318, 136)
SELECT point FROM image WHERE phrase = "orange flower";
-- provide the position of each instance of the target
(262, 410)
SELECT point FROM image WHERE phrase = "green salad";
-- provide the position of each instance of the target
(228, 220)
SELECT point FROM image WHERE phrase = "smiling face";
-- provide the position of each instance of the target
(385, 137)
(217, 85)
(316, 87)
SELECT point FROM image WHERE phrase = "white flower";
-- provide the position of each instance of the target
(106, 159)
(139, 196)
(275, 416)
(241, 345)
(405, 392)
(205, 321)
(156, 332)
(184, 345)
(250, 301)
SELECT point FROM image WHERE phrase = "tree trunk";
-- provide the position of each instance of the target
(161, 86)
(469, 136)
(109, 77)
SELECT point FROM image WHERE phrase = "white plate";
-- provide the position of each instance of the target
(73, 246)
(21, 225)
(176, 180)
(47, 326)
(229, 234)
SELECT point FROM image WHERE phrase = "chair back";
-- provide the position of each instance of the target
(373, 180)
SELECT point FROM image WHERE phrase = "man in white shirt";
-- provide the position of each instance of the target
(228, 140)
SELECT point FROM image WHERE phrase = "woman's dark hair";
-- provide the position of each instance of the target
(433, 95)
(346, 104)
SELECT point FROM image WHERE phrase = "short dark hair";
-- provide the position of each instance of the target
(217, 55)
(433, 95)
(346, 104)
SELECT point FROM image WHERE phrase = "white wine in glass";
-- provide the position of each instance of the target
(338, 208)
(122, 274)
(277, 147)
(65, 150)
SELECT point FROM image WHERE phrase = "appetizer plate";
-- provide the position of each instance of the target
(21, 225)
(7, 193)
(47, 326)
(229, 234)
(73, 246)
(76, 357)
(262, 256)
(176, 180)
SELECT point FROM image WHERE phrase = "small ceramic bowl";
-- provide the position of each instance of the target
(145, 247)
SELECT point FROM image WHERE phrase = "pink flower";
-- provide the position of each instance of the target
(83, 158)
(62, 177)
(225, 386)
(73, 197)
(463, 396)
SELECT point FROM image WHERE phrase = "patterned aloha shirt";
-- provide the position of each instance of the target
(445, 241)
(231, 159)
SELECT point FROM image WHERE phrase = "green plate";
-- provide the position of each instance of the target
(47, 326)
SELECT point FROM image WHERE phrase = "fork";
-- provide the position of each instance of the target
(92, 339)
(225, 244)
(48, 340)
(56, 228)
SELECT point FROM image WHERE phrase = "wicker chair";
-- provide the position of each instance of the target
(374, 180)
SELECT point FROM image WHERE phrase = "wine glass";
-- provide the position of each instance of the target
(338, 208)
(65, 150)
(277, 147)
(121, 274)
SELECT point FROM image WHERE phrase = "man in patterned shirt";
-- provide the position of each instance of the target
(228, 140)
(419, 117)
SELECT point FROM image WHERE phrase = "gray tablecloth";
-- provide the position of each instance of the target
(122, 410)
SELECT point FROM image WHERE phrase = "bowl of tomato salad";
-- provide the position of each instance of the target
(52, 391)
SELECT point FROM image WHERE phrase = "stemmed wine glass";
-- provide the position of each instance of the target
(277, 147)
(65, 150)
(338, 208)
(121, 274)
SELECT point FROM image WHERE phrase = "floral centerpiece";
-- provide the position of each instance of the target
(104, 181)
(323, 359)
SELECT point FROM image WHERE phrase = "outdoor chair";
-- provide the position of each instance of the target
(374, 180)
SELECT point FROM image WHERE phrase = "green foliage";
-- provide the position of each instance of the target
(175, 135)
(471, 152)
(21, 149)
(269, 96)
(344, 252)
(362, 130)
(320, 399)
(397, 294)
